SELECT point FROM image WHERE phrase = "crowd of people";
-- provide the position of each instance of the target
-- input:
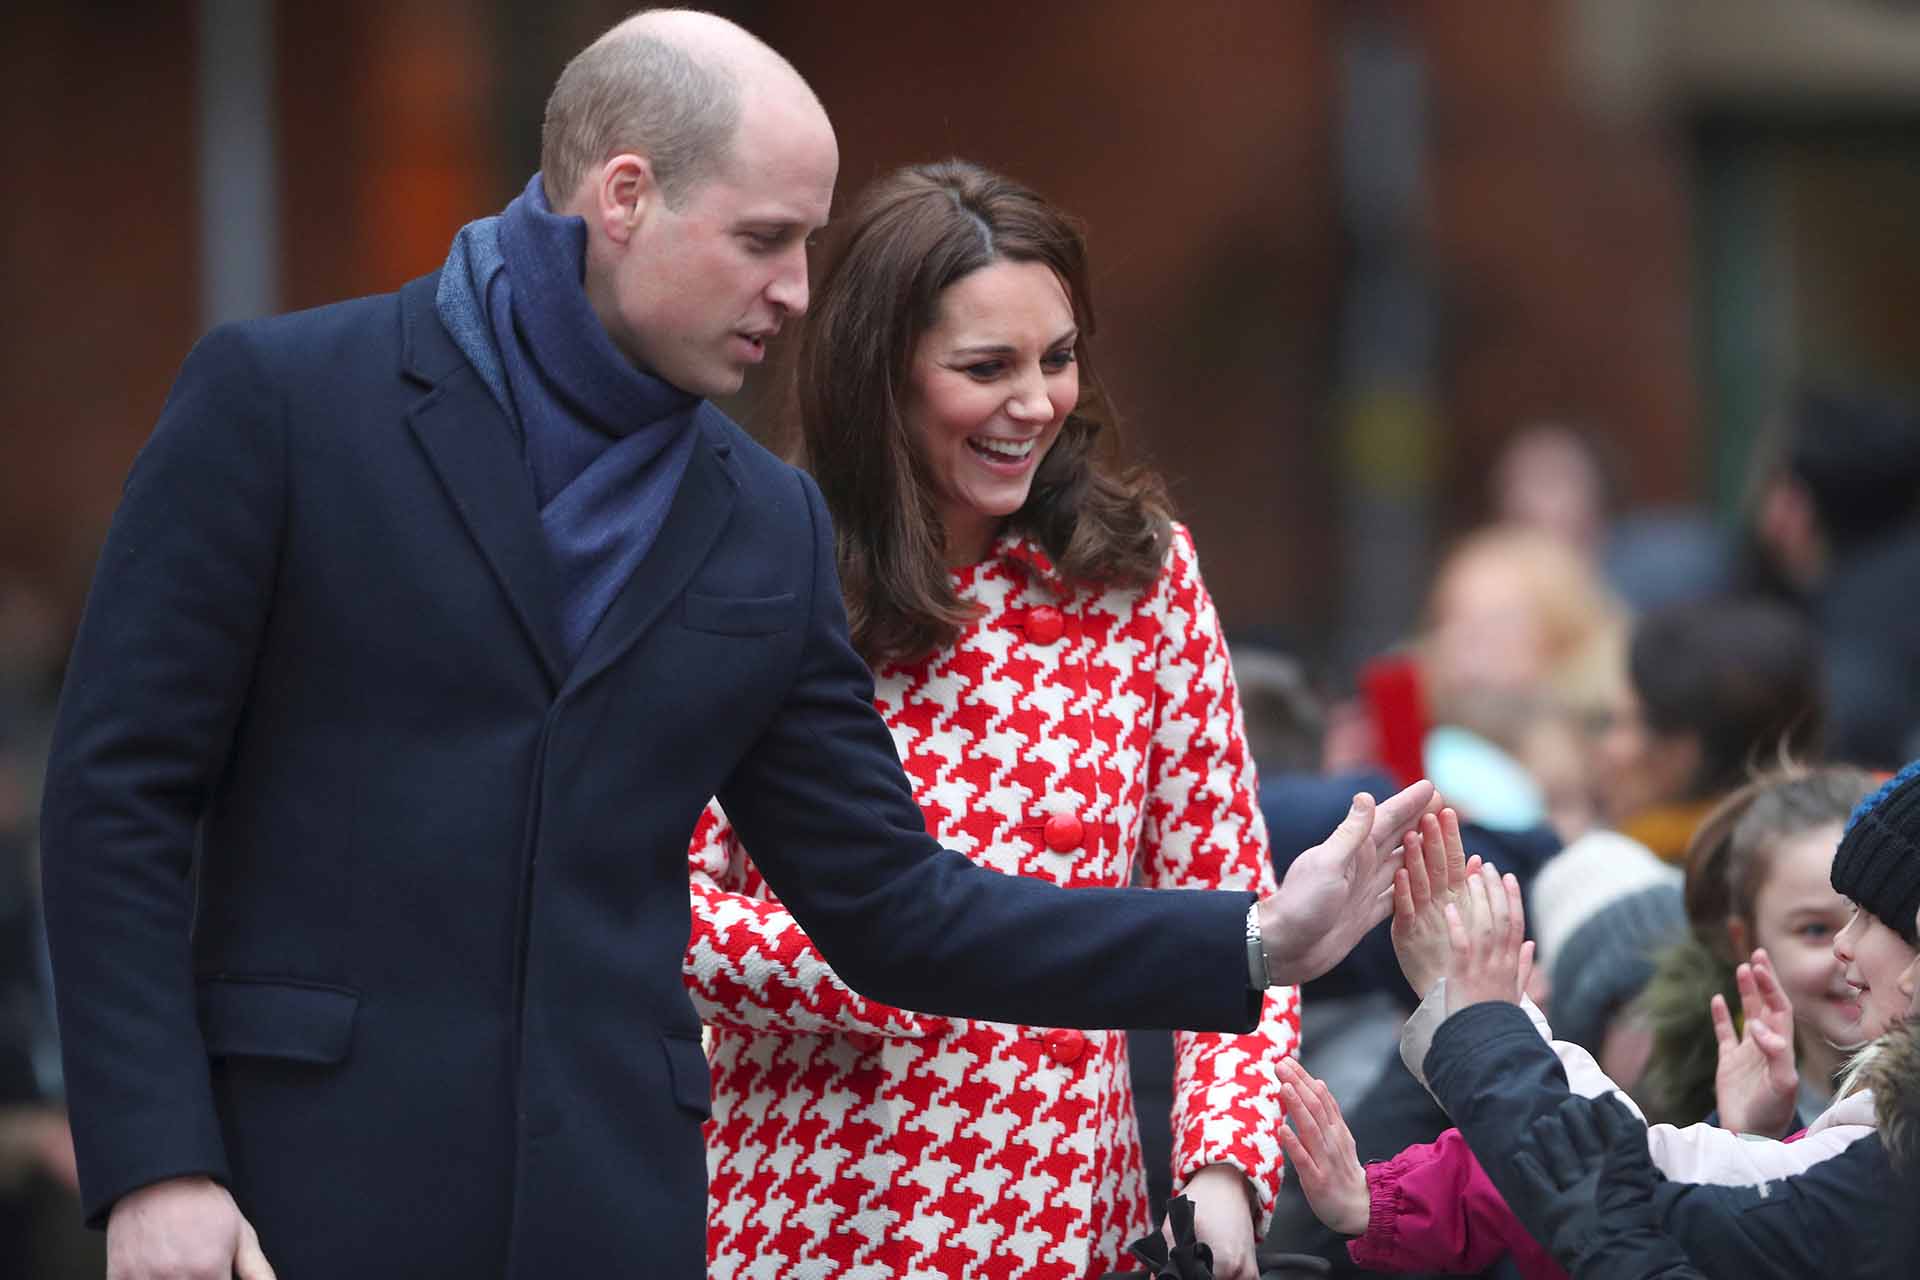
(444, 638)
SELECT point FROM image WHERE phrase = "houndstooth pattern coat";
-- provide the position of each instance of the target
(1070, 734)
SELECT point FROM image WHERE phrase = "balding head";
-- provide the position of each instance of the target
(669, 85)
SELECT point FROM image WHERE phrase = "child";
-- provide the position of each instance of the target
(1757, 877)
(1436, 1208)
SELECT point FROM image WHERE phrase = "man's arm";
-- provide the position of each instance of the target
(749, 965)
(157, 680)
(823, 803)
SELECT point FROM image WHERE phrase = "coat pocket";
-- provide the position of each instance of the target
(687, 1069)
(742, 615)
(294, 1022)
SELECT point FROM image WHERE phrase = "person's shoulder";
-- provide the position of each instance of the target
(762, 474)
(324, 333)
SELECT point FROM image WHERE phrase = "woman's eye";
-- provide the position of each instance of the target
(1058, 360)
(986, 370)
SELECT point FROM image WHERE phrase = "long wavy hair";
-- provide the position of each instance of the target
(911, 235)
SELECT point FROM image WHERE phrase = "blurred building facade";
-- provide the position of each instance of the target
(1642, 215)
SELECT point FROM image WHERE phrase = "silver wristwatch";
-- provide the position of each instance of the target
(1257, 978)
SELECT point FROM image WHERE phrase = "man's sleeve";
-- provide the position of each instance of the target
(823, 803)
(157, 679)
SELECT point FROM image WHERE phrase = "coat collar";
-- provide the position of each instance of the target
(476, 454)
(1013, 547)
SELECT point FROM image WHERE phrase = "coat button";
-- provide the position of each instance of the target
(1065, 1046)
(1063, 833)
(1044, 624)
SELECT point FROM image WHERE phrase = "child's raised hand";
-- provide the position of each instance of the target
(1756, 1083)
(1319, 1148)
(1489, 955)
(1434, 875)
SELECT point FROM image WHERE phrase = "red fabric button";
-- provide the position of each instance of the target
(1063, 832)
(1044, 624)
(1065, 1046)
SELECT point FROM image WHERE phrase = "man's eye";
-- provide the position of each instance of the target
(764, 241)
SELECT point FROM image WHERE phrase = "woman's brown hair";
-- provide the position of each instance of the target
(911, 235)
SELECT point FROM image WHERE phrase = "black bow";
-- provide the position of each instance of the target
(1188, 1259)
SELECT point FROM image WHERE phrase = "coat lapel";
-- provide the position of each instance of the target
(699, 512)
(472, 447)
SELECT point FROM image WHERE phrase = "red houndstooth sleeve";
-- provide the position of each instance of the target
(750, 966)
(1203, 829)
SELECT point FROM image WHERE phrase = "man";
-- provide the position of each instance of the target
(427, 626)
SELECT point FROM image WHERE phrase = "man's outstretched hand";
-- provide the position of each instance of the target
(1340, 888)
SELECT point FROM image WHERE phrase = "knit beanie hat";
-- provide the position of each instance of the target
(1608, 960)
(1582, 879)
(1878, 862)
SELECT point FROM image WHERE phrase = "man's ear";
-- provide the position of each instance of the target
(623, 196)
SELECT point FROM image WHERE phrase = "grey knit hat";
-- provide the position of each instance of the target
(1608, 960)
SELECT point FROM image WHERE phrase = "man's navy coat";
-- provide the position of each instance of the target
(364, 902)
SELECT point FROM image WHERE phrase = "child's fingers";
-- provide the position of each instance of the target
(1772, 994)
(1454, 849)
(1771, 1042)
(1436, 848)
(1457, 933)
(1403, 908)
(1327, 1112)
(1749, 994)
(1415, 865)
(1723, 1032)
(1479, 905)
(1496, 904)
(1305, 1167)
(1516, 913)
(1305, 1123)
(1526, 966)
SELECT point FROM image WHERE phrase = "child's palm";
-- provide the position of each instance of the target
(1756, 1081)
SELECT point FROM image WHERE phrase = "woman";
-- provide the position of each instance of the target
(1058, 687)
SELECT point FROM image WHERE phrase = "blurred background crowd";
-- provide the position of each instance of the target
(1538, 378)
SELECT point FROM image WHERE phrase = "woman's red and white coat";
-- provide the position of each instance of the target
(1070, 734)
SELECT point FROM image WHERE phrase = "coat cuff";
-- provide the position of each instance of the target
(1375, 1251)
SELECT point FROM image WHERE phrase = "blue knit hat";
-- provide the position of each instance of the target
(1878, 862)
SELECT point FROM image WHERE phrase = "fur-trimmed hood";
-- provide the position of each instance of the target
(1894, 1077)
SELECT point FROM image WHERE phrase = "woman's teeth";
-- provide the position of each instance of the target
(1010, 450)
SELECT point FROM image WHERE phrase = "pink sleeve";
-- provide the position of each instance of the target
(1433, 1208)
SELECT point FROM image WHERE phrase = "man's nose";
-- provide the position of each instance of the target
(788, 289)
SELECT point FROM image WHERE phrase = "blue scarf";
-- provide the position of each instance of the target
(605, 443)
